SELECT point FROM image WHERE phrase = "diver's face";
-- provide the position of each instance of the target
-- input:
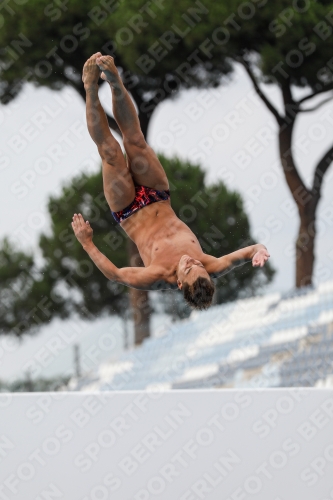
(189, 270)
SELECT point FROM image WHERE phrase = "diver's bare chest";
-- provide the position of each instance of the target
(174, 244)
(160, 235)
(167, 250)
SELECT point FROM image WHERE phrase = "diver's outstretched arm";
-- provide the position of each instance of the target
(258, 254)
(142, 278)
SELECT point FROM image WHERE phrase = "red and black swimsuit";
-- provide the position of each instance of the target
(143, 196)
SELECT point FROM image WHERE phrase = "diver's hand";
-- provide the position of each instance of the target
(82, 230)
(260, 257)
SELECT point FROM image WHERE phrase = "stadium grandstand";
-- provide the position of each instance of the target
(277, 340)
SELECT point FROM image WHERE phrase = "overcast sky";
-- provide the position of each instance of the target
(44, 142)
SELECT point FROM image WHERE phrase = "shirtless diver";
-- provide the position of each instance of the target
(137, 191)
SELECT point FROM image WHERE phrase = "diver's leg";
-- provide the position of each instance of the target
(144, 165)
(117, 180)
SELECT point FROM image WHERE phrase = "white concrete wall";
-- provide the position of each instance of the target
(180, 445)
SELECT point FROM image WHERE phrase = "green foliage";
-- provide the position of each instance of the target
(56, 40)
(294, 36)
(190, 45)
(71, 33)
(35, 385)
(22, 292)
(162, 48)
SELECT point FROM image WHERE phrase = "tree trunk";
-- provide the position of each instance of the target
(306, 199)
(305, 249)
(139, 300)
(306, 203)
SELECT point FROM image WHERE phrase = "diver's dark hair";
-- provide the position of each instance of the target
(199, 295)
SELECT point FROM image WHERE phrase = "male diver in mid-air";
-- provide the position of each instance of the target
(137, 191)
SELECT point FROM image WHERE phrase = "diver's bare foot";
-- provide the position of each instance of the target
(91, 71)
(109, 70)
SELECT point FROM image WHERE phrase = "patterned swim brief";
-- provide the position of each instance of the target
(143, 196)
